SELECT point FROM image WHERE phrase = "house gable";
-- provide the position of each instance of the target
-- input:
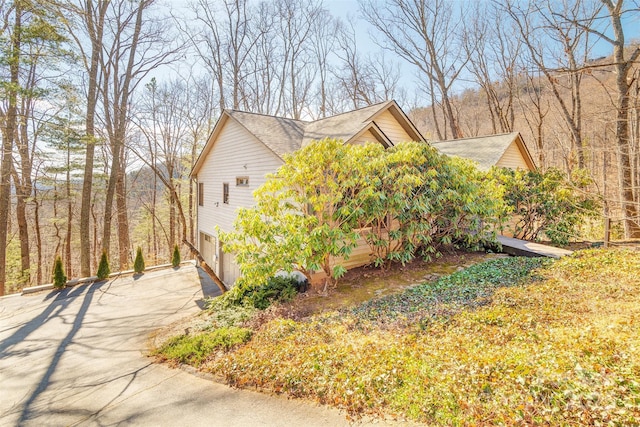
(234, 157)
(505, 150)
(396, 125)
(516, 156)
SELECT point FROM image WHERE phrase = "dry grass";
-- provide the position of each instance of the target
(488, 347)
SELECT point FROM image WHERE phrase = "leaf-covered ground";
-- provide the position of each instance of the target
(509, 341)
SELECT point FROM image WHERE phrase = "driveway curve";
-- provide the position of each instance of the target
(77, 357)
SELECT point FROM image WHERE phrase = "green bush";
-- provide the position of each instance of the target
(103, 267)
(194, 349)
(59, 278)
(547, 202)
(175, 259)
(277, 289)
(406, 201)
(138, 264)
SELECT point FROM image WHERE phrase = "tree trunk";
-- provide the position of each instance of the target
(623, 66)
(625, 178)
(67, 248)
(8, 139)
(23, 232)
(36, 220)
(205, 266)
(124, 244)
(95, 30)
(108, 204)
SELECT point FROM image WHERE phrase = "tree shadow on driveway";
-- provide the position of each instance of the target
(61, 300)
(55, 309)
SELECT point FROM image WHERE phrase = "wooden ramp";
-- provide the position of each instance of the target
(519, 247)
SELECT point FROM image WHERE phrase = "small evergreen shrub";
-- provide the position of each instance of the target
(59, 278)
(175, 259)
(277, 289)
(103, 267)
(138, 264)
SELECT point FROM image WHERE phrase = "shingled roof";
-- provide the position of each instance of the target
(282, 135)
(485, 150)
(342, 126)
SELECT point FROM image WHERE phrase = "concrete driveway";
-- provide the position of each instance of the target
(77, 357)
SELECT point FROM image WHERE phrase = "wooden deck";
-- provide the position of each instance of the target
(519, 247)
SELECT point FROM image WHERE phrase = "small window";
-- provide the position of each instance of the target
(225, 193)
(200, 194)
(242, 181)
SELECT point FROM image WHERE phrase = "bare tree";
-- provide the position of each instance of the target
(259, 91)
(324, 40)
(494, 59)
(351, 76)
(135, 47)
(534, 108)
(166, 133)
(223, 41)
(623, 64)
(559, 46)
(86, 20)
(423, 33)
(296, 22)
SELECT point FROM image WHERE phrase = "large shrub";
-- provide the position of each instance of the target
(406, 201)
(546, 202)
(295, 223)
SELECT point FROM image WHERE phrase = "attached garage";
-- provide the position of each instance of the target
(208, 248)
(230, 272)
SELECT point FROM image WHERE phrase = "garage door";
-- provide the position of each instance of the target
(207, 246)
(230, 270)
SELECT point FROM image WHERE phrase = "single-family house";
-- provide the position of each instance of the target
(244, 147)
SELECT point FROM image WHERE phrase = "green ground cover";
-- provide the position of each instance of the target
(508, 341)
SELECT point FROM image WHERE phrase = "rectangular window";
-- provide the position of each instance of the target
(200, 194)
(242, 181)
(225, 193)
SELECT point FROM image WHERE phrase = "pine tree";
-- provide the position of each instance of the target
(175, 259)
(59, 278)
(103, 267)
(138, 264)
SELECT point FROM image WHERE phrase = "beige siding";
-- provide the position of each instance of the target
(512, 158)
(236, 153)
(361, 255)
(390, 126)
(365, 137)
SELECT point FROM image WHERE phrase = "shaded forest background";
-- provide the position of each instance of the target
(105, 105)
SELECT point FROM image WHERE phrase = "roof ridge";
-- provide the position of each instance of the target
(352, 111)
(231, 110)
(474, 137)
